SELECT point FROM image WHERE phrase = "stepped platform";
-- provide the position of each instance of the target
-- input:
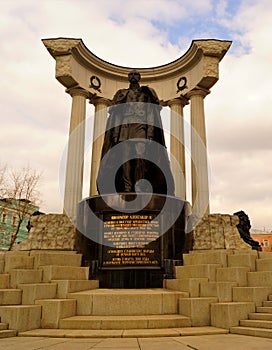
(127, 333)
(48, 294)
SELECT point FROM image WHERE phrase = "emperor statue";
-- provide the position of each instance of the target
(134, 124)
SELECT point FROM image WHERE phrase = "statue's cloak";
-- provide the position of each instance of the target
(157, 171)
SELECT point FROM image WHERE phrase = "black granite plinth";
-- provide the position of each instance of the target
(129, 239)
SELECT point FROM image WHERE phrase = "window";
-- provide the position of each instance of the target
(14, 220)
(266, 243)
(2, 237)
(4, 217)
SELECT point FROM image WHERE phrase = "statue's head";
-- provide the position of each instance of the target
(134, 76)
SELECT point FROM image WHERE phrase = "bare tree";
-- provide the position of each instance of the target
(3, 188)
(22, 188)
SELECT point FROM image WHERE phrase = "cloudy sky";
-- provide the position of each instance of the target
(35, 110)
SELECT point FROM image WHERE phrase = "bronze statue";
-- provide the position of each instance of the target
(134, 123)
(244, 227)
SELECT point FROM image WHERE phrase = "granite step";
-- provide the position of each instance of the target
(21, 276)
(196, 271)
(256, 323)
(3, 326)
(54, 272)
(264, 309)
(267, 303)
(4, 281)
(70, 286)
(125, 322)
(13, 261)
(129, 333)
(255, 332)
(36, 291)
(53, 310)
(7, 333)
(122, 302)
(21, 317)
(264, 264)
(56, 258)
(10, 296)
(260, 316)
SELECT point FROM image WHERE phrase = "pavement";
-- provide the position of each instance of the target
(199, 342)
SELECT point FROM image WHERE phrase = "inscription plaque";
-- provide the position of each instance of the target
(131, 241)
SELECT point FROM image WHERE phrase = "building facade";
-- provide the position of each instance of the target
(265, 240)
(9, 221)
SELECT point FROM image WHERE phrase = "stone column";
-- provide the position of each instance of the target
(177, 148)
(200, 181)
(100, 120)
(75, 155)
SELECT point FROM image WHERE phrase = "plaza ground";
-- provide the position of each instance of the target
(203, 342)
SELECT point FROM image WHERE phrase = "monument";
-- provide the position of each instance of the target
(132, 228)
(139, 228)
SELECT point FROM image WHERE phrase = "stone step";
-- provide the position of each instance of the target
(53, 272)
(260, 279)
(242, 260)
(260, 316)
(193, 271)
(125, 322)
(35, 291)
(226, 315)
(129, 333)
(7, 333)
(221, 290)
(255, 332)
(265, 255)
(123, 302)
(69, 286)
(190, 286)
(264, 264)
(3, 326)
(255, 294)
(55, 309)
(2, 263)
(232, 274)
(263, 309)
(56, 258)
(10, 296)
(18, 262)
(198, 309)
(20, 276)
(4, 281)
(245, 251)
(21, 317)
(256, 323)
(210, 257)
(267, 303)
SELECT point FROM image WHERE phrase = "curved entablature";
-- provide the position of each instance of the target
(76, 66)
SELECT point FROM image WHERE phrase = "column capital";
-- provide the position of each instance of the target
(78, 91)
(183, 101)
(96, 100)
(198, 92)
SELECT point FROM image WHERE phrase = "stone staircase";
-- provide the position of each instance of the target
(45, 293)
(259, 323)
(225, 289)
(49, 294)
(34, 285)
